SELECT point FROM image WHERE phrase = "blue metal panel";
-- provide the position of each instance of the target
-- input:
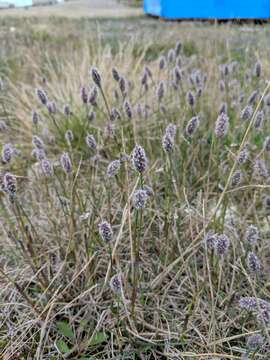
(206, 9)
(187, 9)
(152, 7)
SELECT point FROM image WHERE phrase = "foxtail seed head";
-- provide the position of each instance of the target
(139, 158)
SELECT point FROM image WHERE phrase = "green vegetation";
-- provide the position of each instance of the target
(110, 250)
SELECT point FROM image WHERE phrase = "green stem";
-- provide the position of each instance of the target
(138, 227)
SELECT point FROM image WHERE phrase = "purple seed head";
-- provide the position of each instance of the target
(46, 167)
(253, 97)
(266, 145)
(51, 106)
(127, 109)
(105, 231)
(171, 55)
(113, 168)
(144, 78)
(139, 199)
(171, 130)
(267, 99)
(192, 126)
(255, 341)
(66, 110)
(168, 142)
(44, 80)
(92, 96)
(257, 69)
(42, 96)
(222, 125)
(236, 178)
(248, 303)
(221, 85)
(199, 92)
(109, 129)
(266, 201)
(222, 244)
(69, 136)
(178, 47)
(210, 239)
(263, 317)
(225, 69)
(149, 191)
(123, 85)
(223, 108)
(252, 234)
(177, 74)
(244, 356)
(190, 98)
(246, 113)
(115, 74)
(84, 94)
(35, 117)
(115, 114)
(198, 78)
(259, 119)
(139, 159)
(162, 63)
(39, 154)
(96, 76)
(160, 90)
(66, 163)
(148, 71)
(91, 141)
(243, 155)
(7, 152)
(116, 284)
(260, 169)
(253, 304)
(37, 142)
(10, 183)
(253, 263)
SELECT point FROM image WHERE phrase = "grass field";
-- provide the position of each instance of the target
(78, 9)
(134, 189)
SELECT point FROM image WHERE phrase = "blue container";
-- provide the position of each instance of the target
(208, 9)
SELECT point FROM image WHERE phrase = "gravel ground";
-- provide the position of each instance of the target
(77, 9)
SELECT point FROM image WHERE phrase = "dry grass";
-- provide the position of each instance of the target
(55, 268)
(76, 9)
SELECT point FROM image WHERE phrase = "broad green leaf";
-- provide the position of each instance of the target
(62, 346)
(65, 329)
(98, 338)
